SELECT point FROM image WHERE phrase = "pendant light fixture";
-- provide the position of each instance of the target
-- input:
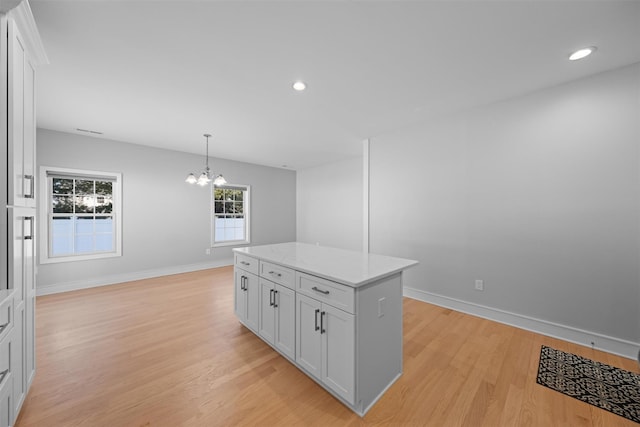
(206, 176)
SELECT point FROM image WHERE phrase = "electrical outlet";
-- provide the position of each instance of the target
(479, 285)
(207, 251)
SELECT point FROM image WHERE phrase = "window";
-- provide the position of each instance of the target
(230, 215)
(81, 214)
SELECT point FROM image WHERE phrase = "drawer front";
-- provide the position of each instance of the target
(332, 293)
(6, 401)
(276, 273)
(6, 317)
(5, 357)
(246, 263)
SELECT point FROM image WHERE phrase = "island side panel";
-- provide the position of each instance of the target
(378, 338)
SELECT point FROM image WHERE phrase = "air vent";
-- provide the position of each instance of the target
(95, 132)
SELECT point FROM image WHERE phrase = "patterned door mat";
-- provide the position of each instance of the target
(598, 384)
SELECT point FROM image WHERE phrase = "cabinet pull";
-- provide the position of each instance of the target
(316, 325)
(275, 274)
(30, 236)
(3, 326)
(322, 329)
(245, 263)
(271, 298)
(275, 301)
(243, 283)
(31, 187)
(3, 374)
(320, 290)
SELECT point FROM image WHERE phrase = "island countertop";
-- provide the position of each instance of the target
(347, 267)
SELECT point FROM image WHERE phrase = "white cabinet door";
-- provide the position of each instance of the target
(308, 339)
(247, 298)
(267, 311)
(240, 297)
(285, 320)
(21, 121)
(338, 351)
(17, 358)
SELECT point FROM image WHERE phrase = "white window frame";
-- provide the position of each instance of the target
(247, 216)
(44, 208)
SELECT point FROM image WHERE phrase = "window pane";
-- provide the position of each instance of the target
(104, 242)
(239, 195)
(62, 204)
(218, 194)
(238, 207)
(104, 204)
(84, 243)
(218, 207)
(239, 232)
(84, 225)
(84, 204)
(62, 186)
(62, 245)
(62, 226)
(219, 235)
(228, 207)
(229, 234)
(230, 222)
(104, 188)
(84, 186)
(104, 224)
(239, 222)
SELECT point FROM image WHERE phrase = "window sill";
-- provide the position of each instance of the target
(231, 243)
(72, 258)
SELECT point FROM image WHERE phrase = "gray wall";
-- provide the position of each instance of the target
(330, 203)
(166, 222)
(538, 196)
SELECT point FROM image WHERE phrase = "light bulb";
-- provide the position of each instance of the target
(582, 53)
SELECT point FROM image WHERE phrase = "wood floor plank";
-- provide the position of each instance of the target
(169, 352)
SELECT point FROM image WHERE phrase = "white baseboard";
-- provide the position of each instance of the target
(128, 277)
(567, 333)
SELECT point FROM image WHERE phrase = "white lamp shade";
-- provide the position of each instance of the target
(191, 179)
(219, 180)
(203, 179)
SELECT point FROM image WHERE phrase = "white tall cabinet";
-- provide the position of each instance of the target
(20, 52)
(335, 314)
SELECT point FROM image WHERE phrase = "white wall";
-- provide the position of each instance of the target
(539, 196)
(166, 222)
(330, 204)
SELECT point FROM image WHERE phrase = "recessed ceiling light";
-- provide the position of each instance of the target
(582, 53)
(299, 86)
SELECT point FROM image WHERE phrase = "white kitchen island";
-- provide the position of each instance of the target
(335, 314)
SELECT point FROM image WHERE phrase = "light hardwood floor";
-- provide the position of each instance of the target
(169, 352)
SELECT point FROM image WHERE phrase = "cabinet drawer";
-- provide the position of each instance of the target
(276, 273)
(6, 317)
(6, 401)
(246, 263)
(332, 293)
(5, 357)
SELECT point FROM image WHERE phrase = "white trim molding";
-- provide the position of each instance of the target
(56, 288)
(23, 17)
(555, 330)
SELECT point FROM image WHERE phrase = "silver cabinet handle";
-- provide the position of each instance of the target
(322, 329)
(3, 326)
(320, 290)
(275, 274)
(271, 298)
(317, 328)
(275, 301)
(31, 187)
(3, 374)
(245, 263)
(30, 236)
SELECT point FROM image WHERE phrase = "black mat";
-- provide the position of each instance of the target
(601, 385)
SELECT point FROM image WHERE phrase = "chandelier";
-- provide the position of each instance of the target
(206, 176)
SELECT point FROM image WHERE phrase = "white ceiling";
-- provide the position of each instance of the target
(162, 73)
